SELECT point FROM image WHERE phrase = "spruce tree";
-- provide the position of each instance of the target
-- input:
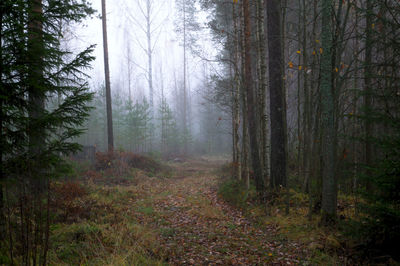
(34, 68)
(380, 222)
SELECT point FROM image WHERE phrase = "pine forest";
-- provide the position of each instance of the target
(199, 132)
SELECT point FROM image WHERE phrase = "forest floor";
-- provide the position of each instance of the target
(174, 218)
(200, 228)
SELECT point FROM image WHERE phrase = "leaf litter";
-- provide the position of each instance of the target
(197, 227)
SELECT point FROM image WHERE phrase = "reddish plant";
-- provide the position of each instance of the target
(105, 160)
(123, 159)
(65, 200)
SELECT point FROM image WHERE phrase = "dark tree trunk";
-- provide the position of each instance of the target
(329, 192)
(368, 89)
(236, 96)
(277, 101)
(262, 87)
(36, 97)
(245, 134)
(110, 133)
(251, 103)
(2, 138)
(37, 236)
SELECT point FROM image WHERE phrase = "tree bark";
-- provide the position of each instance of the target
(37, 235)
(307, 104)
(355, 110)
(251, 115)
(236, 96)
(2, 138)
(262, 88)
(185, 128)
(245, 134)
(329, 192)
(36, 97)
(368, 89)
(277, 101)
(110, 132)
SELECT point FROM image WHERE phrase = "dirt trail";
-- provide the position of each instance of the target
(197, 227)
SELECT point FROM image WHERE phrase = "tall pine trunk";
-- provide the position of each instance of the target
(236, 94)
(307, 104)
(277, 101)
(2, 92)
(262, 87)
(185, 116)
(329, 192)
(245, 131)
(368, 89)
(110, 134)
(251, 103)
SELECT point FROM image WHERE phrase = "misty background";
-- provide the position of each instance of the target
(208, 125)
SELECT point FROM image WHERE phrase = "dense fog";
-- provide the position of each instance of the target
(138, 125)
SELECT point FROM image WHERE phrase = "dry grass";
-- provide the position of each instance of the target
(323, 246)
(153, 220)
(89, 243)
(110, 230)
(204, 208)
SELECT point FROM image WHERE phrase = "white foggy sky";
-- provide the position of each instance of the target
(167, 51)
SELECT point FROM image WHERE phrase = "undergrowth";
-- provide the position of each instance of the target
(121, 159)
(324, 246)
(93, 210)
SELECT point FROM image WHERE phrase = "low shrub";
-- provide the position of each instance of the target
(234, 192)
(67, 201)
(142, 162)
(124, 160)
(105, 160)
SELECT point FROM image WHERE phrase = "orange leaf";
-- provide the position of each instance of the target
(345, 153)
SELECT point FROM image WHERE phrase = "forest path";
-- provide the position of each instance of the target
(197, 227)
